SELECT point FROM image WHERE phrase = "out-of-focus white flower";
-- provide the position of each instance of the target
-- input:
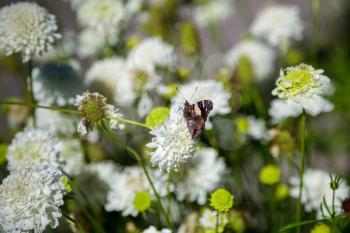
(213, 12)
(101, 14)
(123, 188)
(152, 229)
(30, 199)
(204, 90)
(90, 44)
(260, 56)
(316, 187)
(94, 109)
(56, 122)
(278, 24)
(201, 176)
(28, 29)
(56, 84)
(33, 147)
(304, 86)
(208, 219)
(145, 105)
(72, 156)
(133, 6)
(257, 129)
(172, 142)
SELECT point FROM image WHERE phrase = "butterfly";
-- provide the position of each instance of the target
(196, 115)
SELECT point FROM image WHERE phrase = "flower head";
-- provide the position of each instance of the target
(152, 229)
(30, 199)
(33, 147)
(94, 109)
(321, 228)
(278, 24)
(270, 174)
(221, 200)
(142, 201)
(213, 12)
(172, 142)
(28, 29)
(208, 218)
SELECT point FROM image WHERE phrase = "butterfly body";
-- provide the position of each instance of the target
(196, 115)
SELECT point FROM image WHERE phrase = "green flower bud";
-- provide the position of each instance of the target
(221, 200)
(142, 201)
(270, 174)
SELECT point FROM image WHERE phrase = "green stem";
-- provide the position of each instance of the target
(55, 108)
(302, 167)
(130, 122)
(217, 222)
(30, 92)
(333, 202)
(140, 161)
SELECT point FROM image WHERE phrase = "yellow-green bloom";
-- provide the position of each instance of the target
(142, 201)
(321, 228)
(157, 116)
(66, 183)
(221, 200)
(270, 174)
(282, 191)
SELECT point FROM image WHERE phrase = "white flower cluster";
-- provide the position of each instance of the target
(28, 29)
(316, 188)
(153, 229)
(30, 199)
(260, 56)
(201, 176)
(172, 142)
(278, 24)
(213, 12)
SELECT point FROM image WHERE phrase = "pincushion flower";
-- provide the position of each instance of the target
(94, 109)
(316, 187)
(28, 29)
(221, 200)
(212, 12)
(204, 90)
(304, 86)
(278, 24)
(152, 229)
(260, 56)
(270, 174)
(172, 142)
(201, 176)
(30, 199)
(33, 147)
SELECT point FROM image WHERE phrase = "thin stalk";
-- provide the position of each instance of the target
(30, 92)
(140, 161)
(168, 193)
(55, 108)
(302, 166)
(130, 122)
(217, 222)
(333, 202)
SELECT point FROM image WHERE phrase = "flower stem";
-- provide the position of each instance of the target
(130, 122)
(33, 105)
(302, 166)
(30, 92)
(217, 222)
(140, 161)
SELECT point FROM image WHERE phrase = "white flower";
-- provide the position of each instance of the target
(304, 86)
(260, 56)
(90, 44)
(172, 142)
(145, 105)
(208, 218)
(94, 109)
(257, 129)
(316, 187)
(33, 147)
(26, 28)
(152, 229)
(56, 122)
(278, 24)
(123, 188)
(204, 90)
(30, 199)
(215, 11)
(282, 109)
(73, 156)
(101, 14)
(201, 176)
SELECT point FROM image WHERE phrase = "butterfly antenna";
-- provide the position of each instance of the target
(193, 93)
(177, 89)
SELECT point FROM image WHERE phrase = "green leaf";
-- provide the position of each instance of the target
(3, 151)
(296, 224)
(157, 116)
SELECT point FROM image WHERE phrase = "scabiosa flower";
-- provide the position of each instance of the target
(221, 200)
(30, 199)
(213, 12)
(94, 109)
(316, 187)
(152, 229)
(172, 142)
(33, 147)
(260, 56)
(201, 176)
(257, 129)
(278, 24)
(304, 86)
(321, 228)
(28, 29)
(270, 174)
(204, 90)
